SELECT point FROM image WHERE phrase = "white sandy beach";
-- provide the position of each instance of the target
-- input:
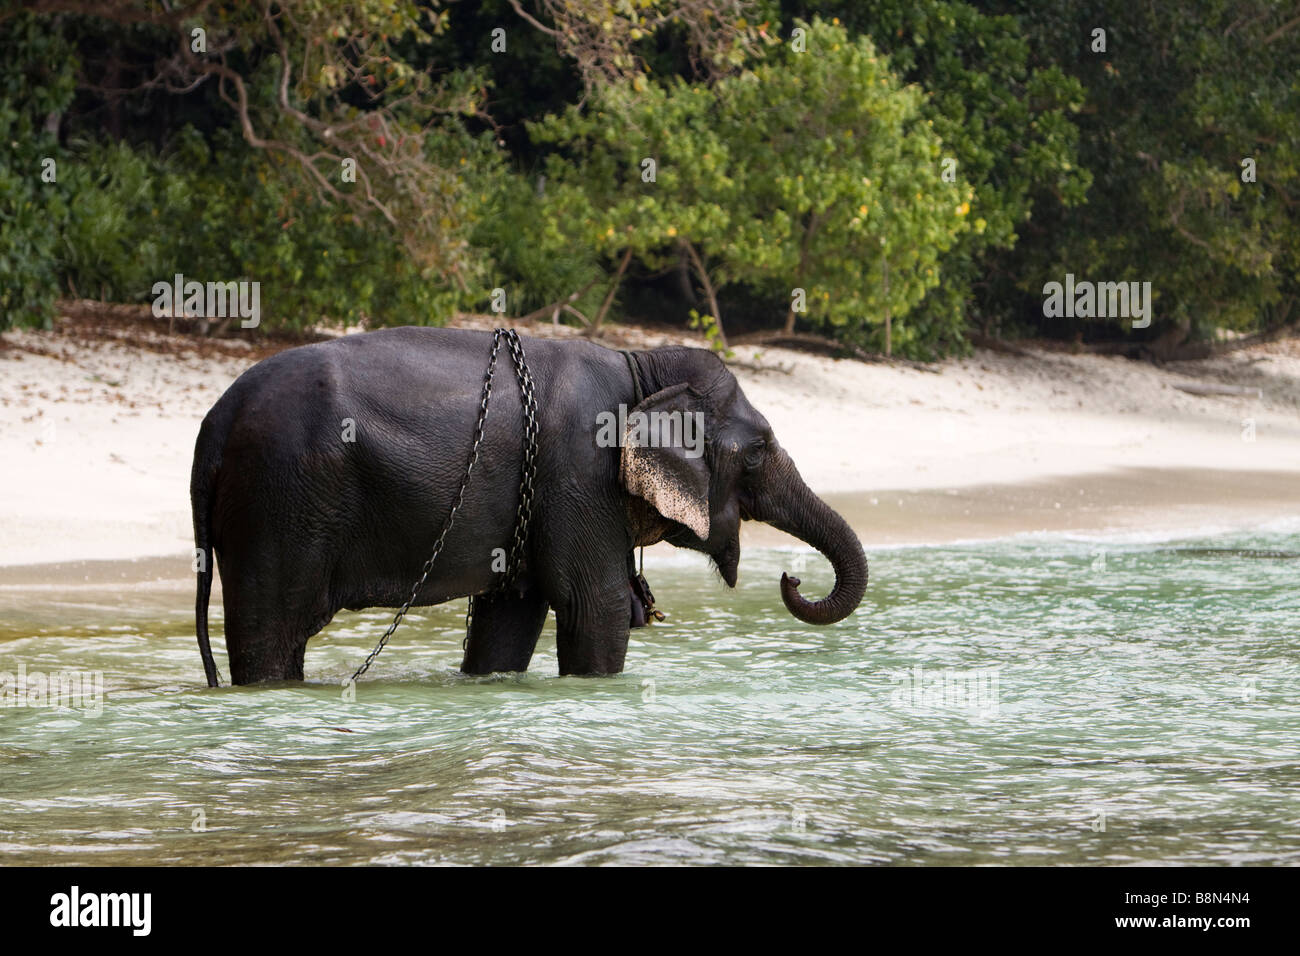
(97, 431)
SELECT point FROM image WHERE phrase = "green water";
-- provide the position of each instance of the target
(1136, 706)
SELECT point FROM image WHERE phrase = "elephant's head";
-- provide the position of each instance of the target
(736, 471)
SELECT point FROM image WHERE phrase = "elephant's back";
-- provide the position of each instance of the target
(360, 444)
(361, 360)
(385, 371)
(394, 386)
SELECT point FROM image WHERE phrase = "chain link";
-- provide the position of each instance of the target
(523, 513)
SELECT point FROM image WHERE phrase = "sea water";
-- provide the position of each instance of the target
(1034, 700)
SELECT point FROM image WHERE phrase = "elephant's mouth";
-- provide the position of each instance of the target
(728, 561)
(725, 553)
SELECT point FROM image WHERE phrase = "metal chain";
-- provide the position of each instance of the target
(451, 516)
(524, 512)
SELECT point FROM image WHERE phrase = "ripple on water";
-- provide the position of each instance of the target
(1041, 701)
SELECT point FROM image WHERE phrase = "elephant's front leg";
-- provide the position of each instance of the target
(503, 631)
(592, 624)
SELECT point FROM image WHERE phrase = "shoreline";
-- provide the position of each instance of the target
(1146, 504)
(98, 420)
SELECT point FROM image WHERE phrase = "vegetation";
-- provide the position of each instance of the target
(898, 175)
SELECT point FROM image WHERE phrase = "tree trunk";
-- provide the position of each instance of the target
(889, 315)
(813, 223)
(609, 296)
(708, 290)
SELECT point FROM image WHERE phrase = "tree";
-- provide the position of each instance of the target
(1006, 121)
(800, 175)
(841, 185)
(1180, 97)
(641, 170)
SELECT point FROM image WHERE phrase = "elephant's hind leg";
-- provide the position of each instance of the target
(503, 632)
(264, 650)
(267, 625)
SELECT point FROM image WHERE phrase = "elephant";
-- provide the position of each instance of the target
(323, 474)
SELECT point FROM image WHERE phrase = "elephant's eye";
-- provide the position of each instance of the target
(754, 453)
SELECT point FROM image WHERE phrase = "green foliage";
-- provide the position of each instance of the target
(1182, 94)
(122, 214)
(532, 257)
(133, 218)
(708, 326)
(599, 192)
(774, 170)
(37, 73)
(806, 171)
(842, 179)
(1005, 120)
(314, 261)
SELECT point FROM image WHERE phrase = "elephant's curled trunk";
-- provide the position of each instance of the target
(788, 504)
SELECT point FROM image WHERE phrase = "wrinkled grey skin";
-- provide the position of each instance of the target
(304, 523)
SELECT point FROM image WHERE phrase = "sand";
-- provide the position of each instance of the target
(98, 420)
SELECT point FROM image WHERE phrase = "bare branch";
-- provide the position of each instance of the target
(1282, 30)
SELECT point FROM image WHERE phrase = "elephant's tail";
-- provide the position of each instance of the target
(203, 479)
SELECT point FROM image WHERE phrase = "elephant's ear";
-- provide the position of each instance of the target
(663, 457)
